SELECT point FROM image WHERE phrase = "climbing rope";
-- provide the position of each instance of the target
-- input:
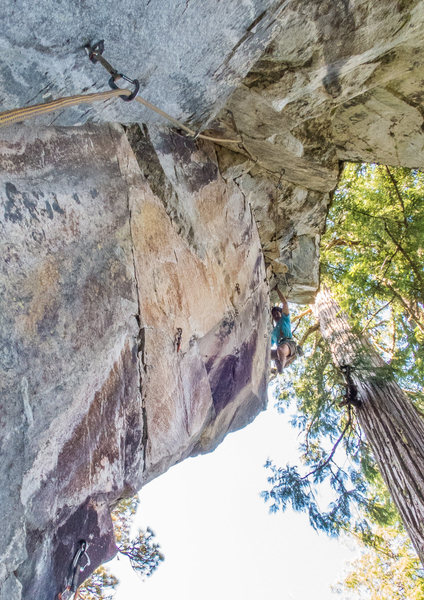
(22, 114)
(95, 55)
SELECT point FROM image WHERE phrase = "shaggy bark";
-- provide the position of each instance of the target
(392, 425)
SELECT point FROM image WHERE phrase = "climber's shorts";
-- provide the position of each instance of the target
(290, 343)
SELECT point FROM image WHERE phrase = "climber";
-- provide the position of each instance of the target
(281, 335)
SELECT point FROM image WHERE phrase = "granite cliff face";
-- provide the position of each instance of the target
(97, 278)
(115, 238)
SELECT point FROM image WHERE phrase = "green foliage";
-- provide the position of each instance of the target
(122, 517)
(372, 256)
(99, 586)
(390, 571)
(337, 483)
(372, 260)
(142, 550)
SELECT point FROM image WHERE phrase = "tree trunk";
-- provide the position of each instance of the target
(392, 425)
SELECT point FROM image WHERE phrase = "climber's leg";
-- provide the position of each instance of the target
(283, 352)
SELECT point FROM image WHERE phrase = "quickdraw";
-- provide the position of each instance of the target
(95, 54)
(71, 582)
(177, 340)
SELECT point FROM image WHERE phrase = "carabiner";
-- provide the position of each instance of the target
(134, 82)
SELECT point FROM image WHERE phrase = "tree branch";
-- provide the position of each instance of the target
(398, 194)
(311, 423)
(375, 314)
(320, 466)
(340, 242)
(405, 304)
(405, 254)
(308, 333)
(392, 349)
(367, 214)
(389, 262)
(301, 315)
(299, 318)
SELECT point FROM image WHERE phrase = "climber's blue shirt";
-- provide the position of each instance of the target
(281, 330)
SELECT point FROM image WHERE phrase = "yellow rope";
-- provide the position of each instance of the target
(22, 114)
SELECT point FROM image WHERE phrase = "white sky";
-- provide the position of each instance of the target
(216, 533)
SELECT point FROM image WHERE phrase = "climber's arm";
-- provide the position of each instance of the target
(283, 301)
